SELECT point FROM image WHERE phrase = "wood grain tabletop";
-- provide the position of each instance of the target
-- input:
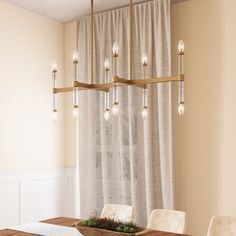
(70, 222)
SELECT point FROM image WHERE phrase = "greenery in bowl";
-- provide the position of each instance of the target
(109, 224)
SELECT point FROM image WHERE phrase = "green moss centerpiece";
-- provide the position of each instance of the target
(104, 226)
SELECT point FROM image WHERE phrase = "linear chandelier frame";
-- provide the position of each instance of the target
(116, 80)
(105, 87)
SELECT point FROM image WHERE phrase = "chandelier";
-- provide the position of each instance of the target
(117, 81)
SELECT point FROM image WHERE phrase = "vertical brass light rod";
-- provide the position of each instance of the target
(54, 105)
(75, 90)
(91, 35)
(131, 39)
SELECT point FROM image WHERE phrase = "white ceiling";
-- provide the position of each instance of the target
(67, 10)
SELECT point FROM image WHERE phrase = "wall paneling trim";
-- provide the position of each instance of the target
(27, 196)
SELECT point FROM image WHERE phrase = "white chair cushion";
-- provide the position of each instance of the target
(222, 226)
(168, 221)
(119, 212)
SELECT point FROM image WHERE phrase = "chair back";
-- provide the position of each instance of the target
(222, 226)
(118, 212)
(167, 221)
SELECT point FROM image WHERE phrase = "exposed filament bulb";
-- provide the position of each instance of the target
(181, 47)
(106, 65)
(115, 50)
(145, 112)
(181, 109)
(75, 57)
(115, 109)
(54, 115)
(144, 59)
(54, 67)
(107, 114)
(76, 111)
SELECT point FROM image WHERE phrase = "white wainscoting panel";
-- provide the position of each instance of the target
(70, 193)
(9, 204)
(36, 195)
(42, 199)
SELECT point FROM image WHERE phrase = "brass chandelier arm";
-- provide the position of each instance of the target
(79, 85)
(142, 83)
(103, 87)
(62, 90)
(119, 80)
(158, 80)
(82, 86)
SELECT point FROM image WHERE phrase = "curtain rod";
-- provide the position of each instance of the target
(143, 1)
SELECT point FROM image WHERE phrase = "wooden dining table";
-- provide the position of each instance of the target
(70, 222)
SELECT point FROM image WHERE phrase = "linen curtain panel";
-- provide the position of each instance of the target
(126, 160)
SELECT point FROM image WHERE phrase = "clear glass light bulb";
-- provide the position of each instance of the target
(75, 112)
(181, 109)
(144, 59)
(115, 49)
(107, 114)
(75, 56)
(54, 115)
(181, 47)
(106, 64)
(144, 112)
(115, 109)
(54, 67)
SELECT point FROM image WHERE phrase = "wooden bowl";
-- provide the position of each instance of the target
(89, 231)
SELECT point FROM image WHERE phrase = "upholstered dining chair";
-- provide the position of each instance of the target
(222, 226)
(168, 221)
(118, 212)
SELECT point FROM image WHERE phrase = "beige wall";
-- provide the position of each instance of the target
(204, 140)
(29, 43)
(227, 173)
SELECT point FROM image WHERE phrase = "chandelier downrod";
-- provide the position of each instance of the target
(91, 38)
(131, 39)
